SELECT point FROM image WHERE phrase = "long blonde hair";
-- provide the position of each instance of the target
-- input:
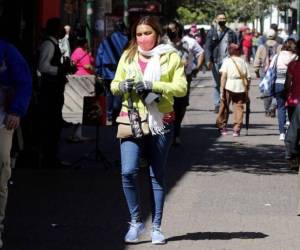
(147, 20)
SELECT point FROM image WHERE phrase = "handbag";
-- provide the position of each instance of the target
(125, 127)
(268, 82)
(133, 125)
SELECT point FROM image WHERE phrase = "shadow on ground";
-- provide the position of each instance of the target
(219, 236)
(85, 209)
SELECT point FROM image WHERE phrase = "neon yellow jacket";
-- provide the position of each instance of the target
(172, 81)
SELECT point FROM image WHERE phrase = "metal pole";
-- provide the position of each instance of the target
(126, 14)
(298, 17)
(89, 21)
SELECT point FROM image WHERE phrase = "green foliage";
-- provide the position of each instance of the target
(187, 15)
(203, 11)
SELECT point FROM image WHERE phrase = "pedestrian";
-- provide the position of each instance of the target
(107, 58)
(235, 83)
(196, 56)
(188, 49)
(262, 60)
(15, 93)
(292, 153)
(85, 64)
(278, 39)
(82, 58)
(64, 43)
(255, 43)
(51, 96)
(292, 84)
(216, 50)
(281, 61)
(202, 37)
(193, 30)
(147, 66)
(247, 44)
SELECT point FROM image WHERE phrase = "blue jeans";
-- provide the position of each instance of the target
(280, 98)
(156, 150)
(217, 82)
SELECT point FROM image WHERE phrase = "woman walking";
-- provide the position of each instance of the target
(285, 56)
(148, 67)
(292, 84)
(235, 82)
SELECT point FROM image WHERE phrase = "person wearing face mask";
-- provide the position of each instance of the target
(188, 49)
(148, 66)
(216, 50)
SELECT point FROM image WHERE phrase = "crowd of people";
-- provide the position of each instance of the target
(147, 73)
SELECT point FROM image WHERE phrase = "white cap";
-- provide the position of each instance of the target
(271, 34)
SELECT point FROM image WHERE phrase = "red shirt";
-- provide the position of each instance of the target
(294, 93)
(247, 40)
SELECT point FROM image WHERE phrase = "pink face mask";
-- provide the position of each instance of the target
(146, 42)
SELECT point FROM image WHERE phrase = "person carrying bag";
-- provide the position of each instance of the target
(149, 75)
(235, 82)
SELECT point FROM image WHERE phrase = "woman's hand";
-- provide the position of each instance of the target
(126, 86)
(88, 67)
(12, 121)
(222, 94)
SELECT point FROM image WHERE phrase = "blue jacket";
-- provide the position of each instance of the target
(15, 75)
(106, 61)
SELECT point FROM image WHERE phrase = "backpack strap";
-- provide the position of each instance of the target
(221, 38)
(242, 76)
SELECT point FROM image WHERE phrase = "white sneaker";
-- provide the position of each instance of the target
(282, 137)
(135, 230)
(157, 236)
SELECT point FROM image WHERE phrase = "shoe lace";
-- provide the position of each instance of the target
(134, 224)
(156, 229)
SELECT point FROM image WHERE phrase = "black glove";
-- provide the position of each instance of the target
(126, 86)
(144, 86)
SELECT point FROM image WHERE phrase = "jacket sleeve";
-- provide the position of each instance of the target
(99, 62)
(119, 76)
(258, 57)
(47, 50)
(209, 47)
(21, 80)
(178, 85)
(234, 38)
(292, 135)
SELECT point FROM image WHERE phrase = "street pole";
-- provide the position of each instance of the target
(298, 17)
(126, 14)
(89, 21)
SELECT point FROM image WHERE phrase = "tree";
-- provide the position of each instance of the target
(236, 10)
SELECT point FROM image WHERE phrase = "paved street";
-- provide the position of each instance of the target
(224, 193)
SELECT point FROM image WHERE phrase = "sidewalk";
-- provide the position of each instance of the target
(223, 192)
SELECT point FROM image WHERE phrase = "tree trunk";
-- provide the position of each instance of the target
(261, 21)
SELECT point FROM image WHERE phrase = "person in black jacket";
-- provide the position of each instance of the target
(292, 147)
(292, 138)
(216, 49)
(51, 96)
